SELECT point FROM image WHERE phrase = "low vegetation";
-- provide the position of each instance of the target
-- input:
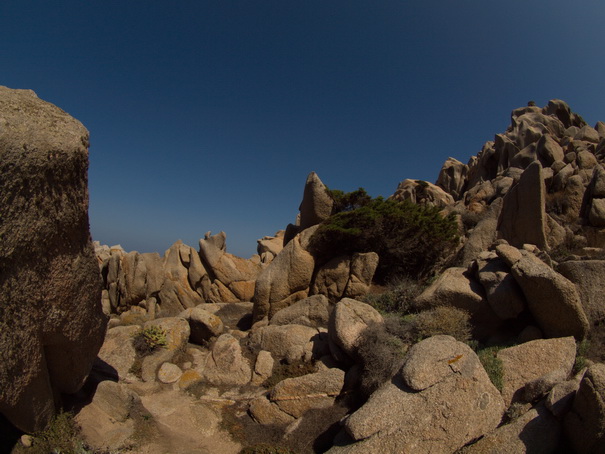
(148, 340)
(410, 239)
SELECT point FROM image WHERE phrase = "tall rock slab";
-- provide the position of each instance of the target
(51, 322)
(316, 205)
(523, 216)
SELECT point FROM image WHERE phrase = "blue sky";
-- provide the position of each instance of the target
(208, 115)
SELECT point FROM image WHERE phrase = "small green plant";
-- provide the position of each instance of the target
(515, 411)
(149, 339)
(398, 297)
(60, 437)
(581, 355)
(492, 365)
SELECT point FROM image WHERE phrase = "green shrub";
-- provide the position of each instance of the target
(582, 349)
(398, 298)
(283, 370)
(148, 340)
(61, 436)
(443, 320)
(348, 201)
(410, 239)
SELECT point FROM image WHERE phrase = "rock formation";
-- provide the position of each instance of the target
(51, 323)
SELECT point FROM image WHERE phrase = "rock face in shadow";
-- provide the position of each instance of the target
(51, 323)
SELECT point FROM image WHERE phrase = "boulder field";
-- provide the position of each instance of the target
(202, 351)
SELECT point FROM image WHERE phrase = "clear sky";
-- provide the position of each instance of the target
(208, 115)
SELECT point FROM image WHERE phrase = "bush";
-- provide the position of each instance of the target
(61, 436)
(443, 320)
(398, 298)
(382, 348)
(148, 340)
(410, 239)
(348, 201)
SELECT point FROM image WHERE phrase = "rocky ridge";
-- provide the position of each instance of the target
(276, 342)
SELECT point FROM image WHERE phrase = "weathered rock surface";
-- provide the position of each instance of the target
(459, 407)
(104, 422)
(527, 362)
(537, 431)
(585, 423)
(203, 324)
(51, 321)
(291, 342)
(422, 193)
(295, 396)
(226, 365)
(452, 177)
(348, 321)
(552, 299)
(316, 205)
(587, 276)
(117, 355)
(523, 217)
(286, 279)
(313, 311)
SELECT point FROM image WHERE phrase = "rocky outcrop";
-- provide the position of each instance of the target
(422, 411)
(523, 364)
(585, 423)
(286, 279)
(51, 322)
(313, 311)
(523, 217)
(316, 205)
(587, 276)
(452, 177)
(348, 321)
(422, 193)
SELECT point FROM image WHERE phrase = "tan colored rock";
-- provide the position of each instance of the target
(332, 278)
(560, 398)
(452, 177)
(422, 193)
(52, 325)
(442, 418)
(266, 412)
(271, 244)
(549, 150)
(243, 290)
(523, 217)
(585, 423)
(552, 299)
(169, 373)
(435, 359)
(587, 276)
(483, 235)
(177, 331)
(316, 205)
(313, 311)
(295, 396)
(527, 362)
(537, 431)
(103, 423)
(363, 267)
(287, 275)
(223, 266)
(348, 321)
(203, 325)
(587, 134)
(226, 365)
(117, 355)
(263, 368)
(291, 342)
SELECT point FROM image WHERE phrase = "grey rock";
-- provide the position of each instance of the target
(348, 321)
(313, 311)
(587, 276)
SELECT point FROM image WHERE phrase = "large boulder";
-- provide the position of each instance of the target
(316, 205)
(523, 216)
(348, 321)
(523, 364)
(291, 342)
(587, 275)
(51, 322)
(552, 299)
(313, 311)
(457, 403)
(585, 423)
(286, 279)
(537, 431)
(295, 396)
(226, 364)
